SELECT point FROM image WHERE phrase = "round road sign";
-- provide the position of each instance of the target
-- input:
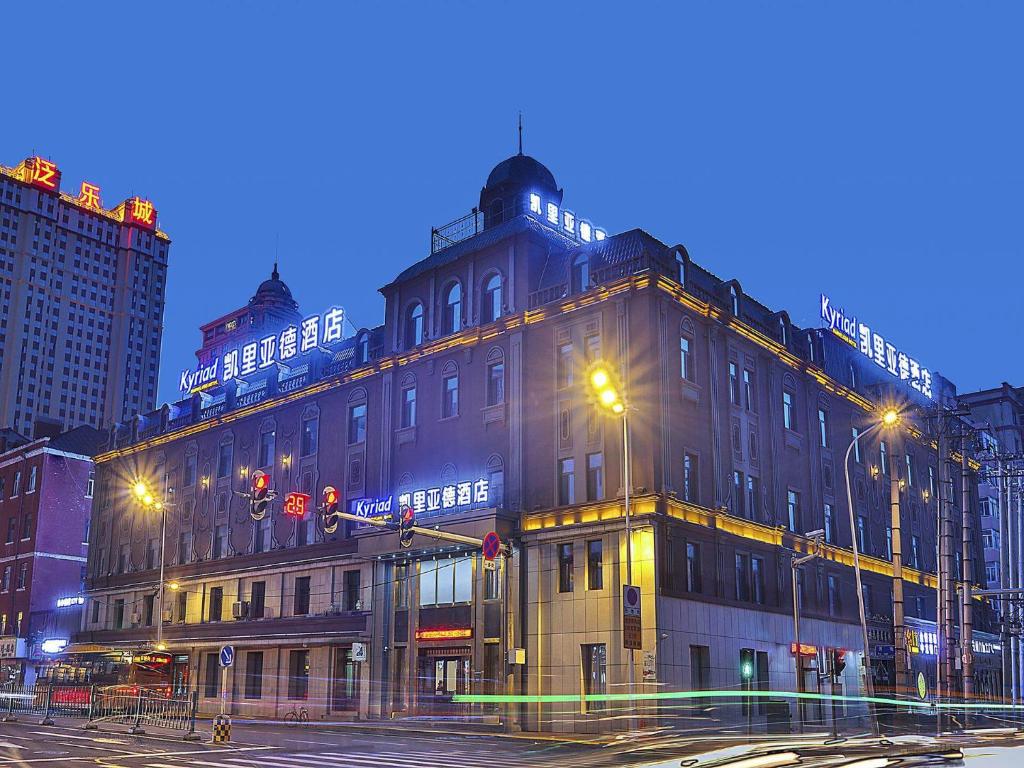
(227, 655)
(492, 546)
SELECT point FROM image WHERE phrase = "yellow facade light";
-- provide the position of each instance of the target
(173, 585)
(139, 489)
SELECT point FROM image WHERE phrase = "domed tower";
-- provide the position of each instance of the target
(506, 193)
(274, 294)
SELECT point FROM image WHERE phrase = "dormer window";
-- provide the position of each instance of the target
(491, 304)
(363, 348)
(414, 325)
(782, 332)
(734, 300)
(681, 269)
(810, 346)
(580, 277)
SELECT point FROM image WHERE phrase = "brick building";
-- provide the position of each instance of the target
(471, 403)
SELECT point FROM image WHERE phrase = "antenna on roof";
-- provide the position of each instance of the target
(277, 240)
(520, 132)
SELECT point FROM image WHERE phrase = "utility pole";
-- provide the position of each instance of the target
(899, 634)
(967, 575)
(1004, 581)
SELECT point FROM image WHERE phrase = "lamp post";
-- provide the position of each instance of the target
(145, 497)
(890, 418)
(608, 395)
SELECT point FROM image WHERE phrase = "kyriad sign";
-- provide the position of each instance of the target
(876, 347)
(448, 497)
(312, 333)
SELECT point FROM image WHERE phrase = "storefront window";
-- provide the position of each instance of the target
(443, 582)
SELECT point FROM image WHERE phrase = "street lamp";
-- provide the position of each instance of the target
(890, 418)
(145, 497)
(608, 394)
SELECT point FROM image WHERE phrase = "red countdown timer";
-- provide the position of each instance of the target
(296, 504)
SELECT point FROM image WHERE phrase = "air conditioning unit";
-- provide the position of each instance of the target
(240, 609)
(136, 619)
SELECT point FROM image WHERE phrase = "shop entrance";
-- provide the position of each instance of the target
(345, 688)
(443, 673)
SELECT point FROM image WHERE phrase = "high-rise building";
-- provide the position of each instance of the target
(81, 303)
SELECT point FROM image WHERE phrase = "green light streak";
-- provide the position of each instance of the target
(483, 698)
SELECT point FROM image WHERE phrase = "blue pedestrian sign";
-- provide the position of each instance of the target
(227, 655)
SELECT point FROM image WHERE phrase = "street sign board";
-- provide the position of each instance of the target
(490, 565)
(492, 546)
(922, 686)
(227, 655)
(631, 624)
(358, 651)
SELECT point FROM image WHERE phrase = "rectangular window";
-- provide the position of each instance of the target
(788, 414)
(693, 571)
(211, 687)
(823, 427)
(357, 424)
(862, 533)
(595, 673)
(835, 603)
(753, 497)
(266, 457)
(595, 565)
(915, 552)
(408, 407)
(565, 568)
(690, 478)
(566, 481)
(182, 607)
(118, 614)
(300, 605)
(829, 523)
(736, 500)
(254, 675)
(6, 585)
(742, 577)
(402, 585)
(26, 525)
(261, 536)
(12, 526)
(147, 610)
(686, 358)
(564, 372)
(734, 384)
(883, 457)
(793, 509)
(700, 668)
(31, 480)
(352, 601)
(310, 435)
(224, 459)
(595, 476)
(748, 389)
(190, 469)
(17, 484)
(184, 547)
(443, 582)
(257, 599)
(216, 604)
(450, 396)
(495, 383)
(298, 675)
(220, 541)
(910, 471)
(757, 579)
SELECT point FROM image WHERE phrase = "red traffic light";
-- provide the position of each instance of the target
(260, 481)
(329, 508)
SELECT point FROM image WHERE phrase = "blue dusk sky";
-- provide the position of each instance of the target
(869, 150)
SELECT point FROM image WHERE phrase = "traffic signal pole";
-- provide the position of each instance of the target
(436, 533)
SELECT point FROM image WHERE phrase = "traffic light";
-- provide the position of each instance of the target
(746, 666)
(405, 524)
(329, 508)
(838, 662)
(260, 495)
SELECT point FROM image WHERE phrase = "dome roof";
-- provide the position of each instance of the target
(273, 291)
(521, 170)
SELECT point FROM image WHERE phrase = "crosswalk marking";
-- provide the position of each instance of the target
(359, 759)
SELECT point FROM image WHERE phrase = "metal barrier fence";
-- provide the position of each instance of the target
(129, 705)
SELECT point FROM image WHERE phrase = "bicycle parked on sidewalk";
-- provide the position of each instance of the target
(296, 716)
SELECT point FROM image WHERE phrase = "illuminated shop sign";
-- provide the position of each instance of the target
(89, 196)
(564, 221)
(454, 633)
(67, 602)
(139, 211)
(53, 645)
(446, 497)
(312, 333)
(39, 173)
(876, 348)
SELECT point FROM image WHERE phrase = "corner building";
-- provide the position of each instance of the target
(470, 401)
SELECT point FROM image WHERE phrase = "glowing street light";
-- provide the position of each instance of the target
(139, 489)
(145, 497)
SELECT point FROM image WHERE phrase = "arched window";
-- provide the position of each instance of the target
(681, 268)
(579, 280)
(495, 480)
(491, 308)
(687, 351)
(451, 322)
(363, 348)
(497, 212)
(414, 325)
(734, 298)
